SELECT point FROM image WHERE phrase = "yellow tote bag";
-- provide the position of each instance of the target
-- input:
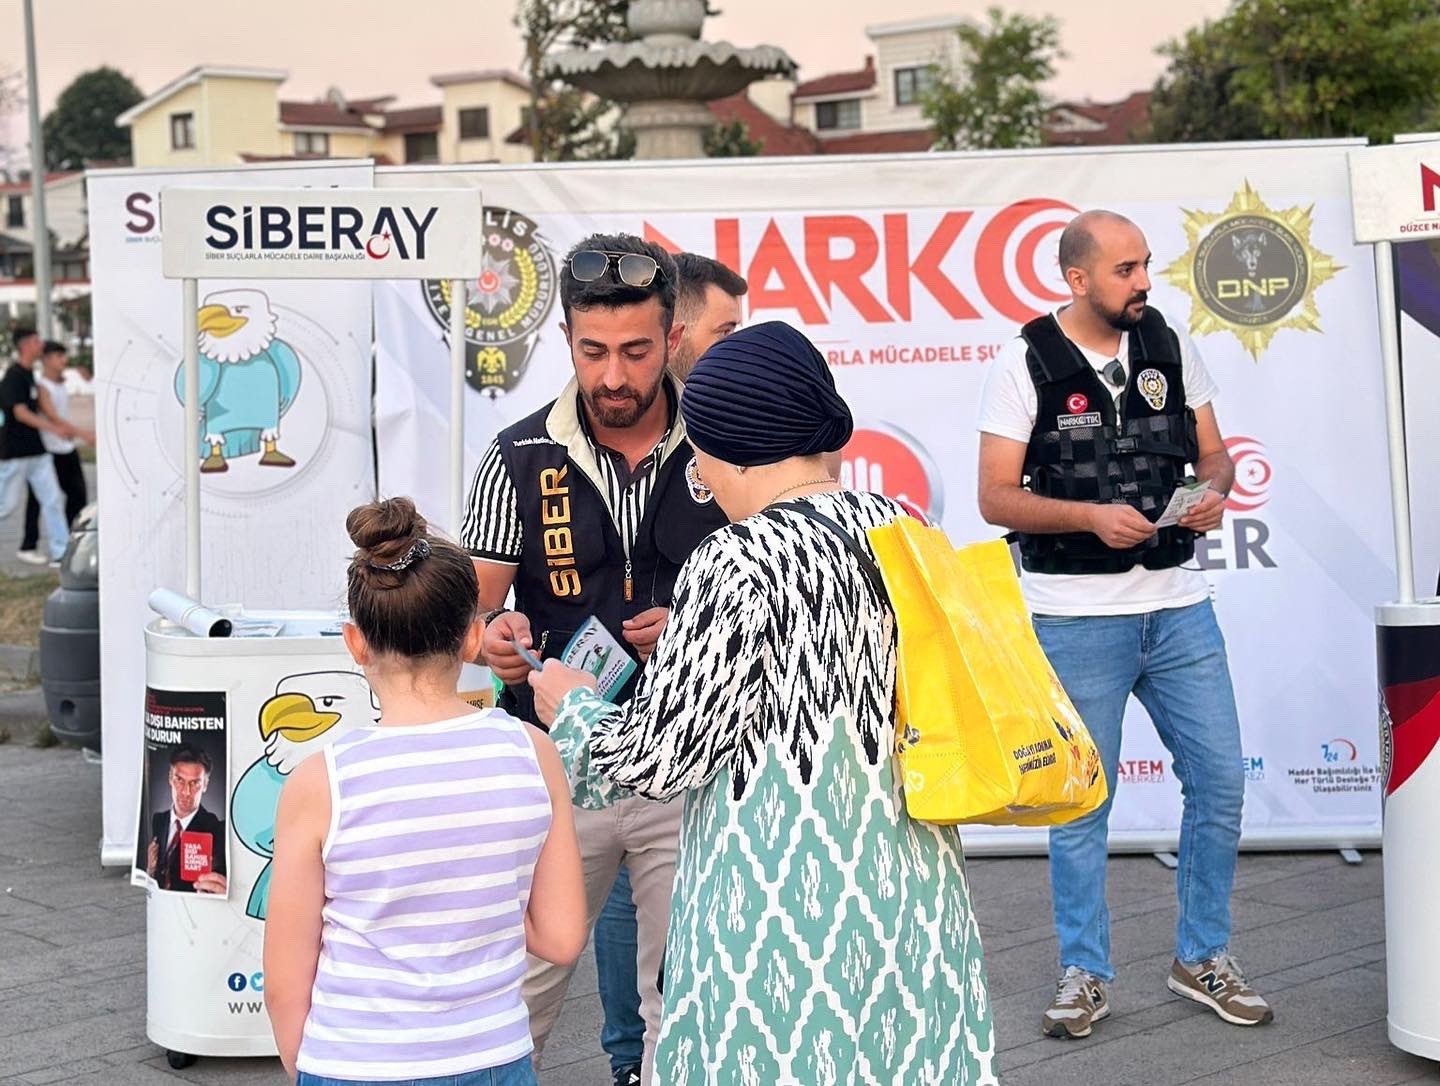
(986, 733)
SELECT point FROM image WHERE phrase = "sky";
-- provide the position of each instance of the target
(373, 47)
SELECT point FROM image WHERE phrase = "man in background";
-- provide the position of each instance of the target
(55, 405)
(23, 458)
(707, 303)
(1090, 422)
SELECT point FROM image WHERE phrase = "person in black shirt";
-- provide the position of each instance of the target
(23, 458)
(55, 405)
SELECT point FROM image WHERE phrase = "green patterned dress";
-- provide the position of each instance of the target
(818, 936)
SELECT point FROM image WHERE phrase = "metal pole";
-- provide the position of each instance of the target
(457, 404)
(1395, 420)
(190, 461)
(41, 232)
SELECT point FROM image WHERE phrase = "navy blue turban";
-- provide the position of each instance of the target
(762, 395)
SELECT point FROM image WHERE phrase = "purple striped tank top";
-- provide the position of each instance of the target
(434, 833)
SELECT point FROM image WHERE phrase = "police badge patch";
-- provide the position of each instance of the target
(507, 304)
(1153, 387)
(701, 493)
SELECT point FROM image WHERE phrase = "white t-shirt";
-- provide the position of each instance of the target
(1007, 409)
(60, 400)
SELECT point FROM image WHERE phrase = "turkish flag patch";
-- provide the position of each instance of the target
(1077, 403)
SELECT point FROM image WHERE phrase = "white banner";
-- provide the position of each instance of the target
(285, 374)
(1395, 190)
(248, 233)
(910, 273)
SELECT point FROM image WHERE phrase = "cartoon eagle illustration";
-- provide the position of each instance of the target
(248, 380)
(308, 712)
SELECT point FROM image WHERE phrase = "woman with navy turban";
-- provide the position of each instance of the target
(817, 934)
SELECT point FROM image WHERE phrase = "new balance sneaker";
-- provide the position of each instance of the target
(1218, 984)
(34, 557)
(1080, 1000)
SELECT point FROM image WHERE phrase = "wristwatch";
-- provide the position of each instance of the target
(492, 614)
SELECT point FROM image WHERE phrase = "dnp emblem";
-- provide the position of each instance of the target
(1251, 270)
(507, 304)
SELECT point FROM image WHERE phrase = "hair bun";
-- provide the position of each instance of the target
(385, 530)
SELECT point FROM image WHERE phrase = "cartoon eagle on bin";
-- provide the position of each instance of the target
(308, 712)
(248, 380)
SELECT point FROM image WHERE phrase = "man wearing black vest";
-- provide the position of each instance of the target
(1089, 422)
(588, 508)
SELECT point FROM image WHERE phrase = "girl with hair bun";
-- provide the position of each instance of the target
(418, 860)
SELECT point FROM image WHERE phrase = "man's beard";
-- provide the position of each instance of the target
(682, 360)
(1121, 320)
(621, 416)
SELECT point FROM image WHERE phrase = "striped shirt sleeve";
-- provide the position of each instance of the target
(492, 516)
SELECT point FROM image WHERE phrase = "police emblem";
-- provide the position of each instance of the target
(1251, 270)
(1153, 387)
(507, 305)
(701, 493)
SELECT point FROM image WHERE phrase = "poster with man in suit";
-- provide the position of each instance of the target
(180, 846)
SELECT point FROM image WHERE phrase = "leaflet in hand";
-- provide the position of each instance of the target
(594, 649)
(1185, 499)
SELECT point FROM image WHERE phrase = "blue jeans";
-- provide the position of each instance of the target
(519, 1073)
(1173, 661)
(39, 472)
(623, 1034)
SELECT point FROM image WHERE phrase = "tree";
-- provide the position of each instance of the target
(1192, 102)
(566, 124)
(731, 141)
(572, 126)
(562, 124)
(994, 99)
(82, 124)
(1293, 69)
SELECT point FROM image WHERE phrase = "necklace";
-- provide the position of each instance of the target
(799, 486)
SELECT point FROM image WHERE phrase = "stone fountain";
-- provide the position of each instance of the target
(665, 78)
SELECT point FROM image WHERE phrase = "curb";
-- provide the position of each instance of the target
(19, 663)
(24, 719)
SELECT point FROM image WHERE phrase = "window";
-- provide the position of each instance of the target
(15, 211)
(182, 131)
(912, 84)
(475, 124)
(422, 147)
(312, 143)
(845, 114)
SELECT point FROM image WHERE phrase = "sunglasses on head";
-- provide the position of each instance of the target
(632, 269)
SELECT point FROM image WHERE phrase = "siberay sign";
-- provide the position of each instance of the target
(319, 233)
(910, 273)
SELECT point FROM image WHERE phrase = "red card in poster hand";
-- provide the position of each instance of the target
(197, 855)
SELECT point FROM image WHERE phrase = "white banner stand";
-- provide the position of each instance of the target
(295, 685)
(1395, 192)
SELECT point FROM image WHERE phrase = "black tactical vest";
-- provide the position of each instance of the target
(1081, 449)
(572, 563)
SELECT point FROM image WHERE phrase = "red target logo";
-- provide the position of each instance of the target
(1077, 403)
(886, 460)
(1252, 475)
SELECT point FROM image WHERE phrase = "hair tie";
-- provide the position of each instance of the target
(418, 550)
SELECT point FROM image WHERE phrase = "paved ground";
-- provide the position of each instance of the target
(1309, 930)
